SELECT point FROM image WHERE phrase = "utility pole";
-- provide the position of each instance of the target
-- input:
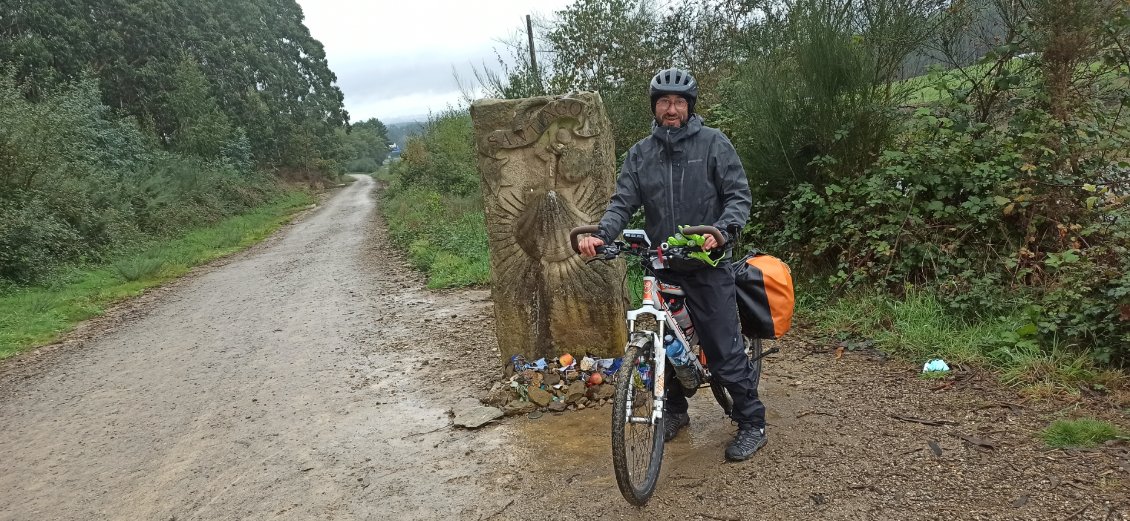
(536, 79)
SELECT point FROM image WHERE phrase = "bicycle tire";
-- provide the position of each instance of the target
(634, 444)
(721, 395)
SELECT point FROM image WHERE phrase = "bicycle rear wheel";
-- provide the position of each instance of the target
(637, 439)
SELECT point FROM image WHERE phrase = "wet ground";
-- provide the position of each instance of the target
(312, 377)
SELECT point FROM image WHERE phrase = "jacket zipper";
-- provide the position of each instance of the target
(671, 184)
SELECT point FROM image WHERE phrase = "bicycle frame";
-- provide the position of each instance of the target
(638, 483)
(654, 305)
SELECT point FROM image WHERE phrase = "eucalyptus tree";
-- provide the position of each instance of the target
(260, 66)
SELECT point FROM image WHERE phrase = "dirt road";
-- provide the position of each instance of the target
(310, 378)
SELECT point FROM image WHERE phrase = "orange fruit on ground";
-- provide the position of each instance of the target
(566, 359)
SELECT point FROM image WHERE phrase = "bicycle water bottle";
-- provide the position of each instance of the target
(681, 358)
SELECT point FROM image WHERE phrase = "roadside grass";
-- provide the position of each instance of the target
(920, 327)
(1083, 432)
(136, 268)
(38, 315)
(383, 175)
(934, 375)
(444, 236)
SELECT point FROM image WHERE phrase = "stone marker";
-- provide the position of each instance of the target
(547, 165)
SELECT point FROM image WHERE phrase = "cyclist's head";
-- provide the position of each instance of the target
(669, 84)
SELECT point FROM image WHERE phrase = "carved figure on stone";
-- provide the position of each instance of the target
(547, 165)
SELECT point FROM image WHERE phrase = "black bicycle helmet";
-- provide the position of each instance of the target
(674, 81)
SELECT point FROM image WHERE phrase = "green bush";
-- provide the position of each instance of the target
(1003, 192)
(78, 182)
(442, 158)
(443, 235)
(364, 165)
(975, 210)
(33, 240)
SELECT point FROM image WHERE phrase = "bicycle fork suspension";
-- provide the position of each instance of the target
(657, 389)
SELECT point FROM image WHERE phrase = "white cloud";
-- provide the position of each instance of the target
(395, 59)
(414, 106)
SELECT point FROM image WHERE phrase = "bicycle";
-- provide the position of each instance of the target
(641, 382)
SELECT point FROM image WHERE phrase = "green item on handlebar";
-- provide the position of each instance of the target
(692, 240)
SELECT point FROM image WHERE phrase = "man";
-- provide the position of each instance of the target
(685, 173)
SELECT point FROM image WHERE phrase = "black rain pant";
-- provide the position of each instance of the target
(712, 302)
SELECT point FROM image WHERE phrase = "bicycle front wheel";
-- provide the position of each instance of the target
(637, 438)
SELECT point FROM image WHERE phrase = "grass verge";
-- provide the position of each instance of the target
(445, 236)
(1083, 432)
(383, 175)
(920, 327)
(39, 315)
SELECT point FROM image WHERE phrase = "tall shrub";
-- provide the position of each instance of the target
(442, 157)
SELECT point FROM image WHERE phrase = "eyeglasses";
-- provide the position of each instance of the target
(665, 103)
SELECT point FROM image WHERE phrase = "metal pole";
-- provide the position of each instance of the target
(535, 79)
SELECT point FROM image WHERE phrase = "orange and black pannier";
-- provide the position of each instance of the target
(765, 295)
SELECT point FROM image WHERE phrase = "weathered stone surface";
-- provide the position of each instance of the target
(498, 395)
(540, 397)
(603, 392)
(558, 407)
(519, 407)
(472, 414)
(576, 392)
(547, 165)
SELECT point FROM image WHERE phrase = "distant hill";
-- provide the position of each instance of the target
(400, 132)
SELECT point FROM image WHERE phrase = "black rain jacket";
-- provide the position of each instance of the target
(689, 175)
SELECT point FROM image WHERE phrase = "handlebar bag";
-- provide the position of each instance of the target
(765, 295)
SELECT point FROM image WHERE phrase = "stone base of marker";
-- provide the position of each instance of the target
(553, 388)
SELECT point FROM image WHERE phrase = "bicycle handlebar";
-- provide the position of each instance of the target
(689, 230)
(590, 228)
(705, 230)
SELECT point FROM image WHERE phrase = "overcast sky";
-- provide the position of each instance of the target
(394, 60)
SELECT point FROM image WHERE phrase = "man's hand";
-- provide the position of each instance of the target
(709, 243)
(588, 245)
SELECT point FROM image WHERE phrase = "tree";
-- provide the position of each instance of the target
(262, 69)
(613, 47)
(201, 128)
(366, 145)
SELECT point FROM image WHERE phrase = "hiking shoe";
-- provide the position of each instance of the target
(745, 443)
(674, 423)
